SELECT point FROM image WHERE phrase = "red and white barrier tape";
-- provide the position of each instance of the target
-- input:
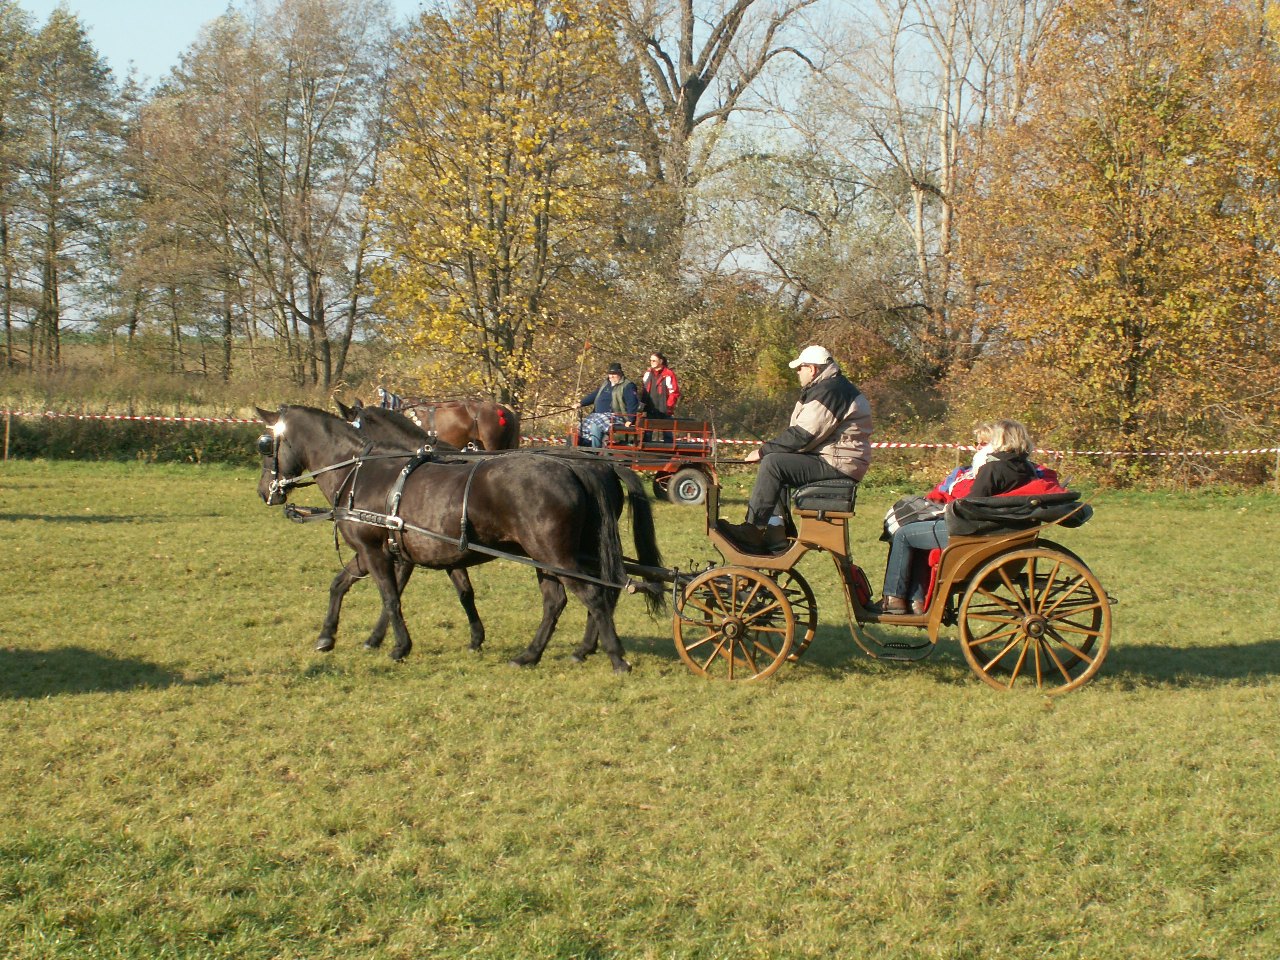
(878, 444)
(143, 418)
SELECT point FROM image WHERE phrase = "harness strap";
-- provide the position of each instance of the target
(466, 498)
(397, 493)
(397, 524)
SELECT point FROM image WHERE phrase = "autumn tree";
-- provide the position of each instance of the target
(502, 194)
(15, 118)
(68, 162)
(187, 262)
(859, 213)
(692, 67)
(1123, 241)
(254, 154)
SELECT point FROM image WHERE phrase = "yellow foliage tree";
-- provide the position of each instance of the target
(1122, 246)
(501, 193)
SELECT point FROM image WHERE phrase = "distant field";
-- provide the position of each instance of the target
(184, 778)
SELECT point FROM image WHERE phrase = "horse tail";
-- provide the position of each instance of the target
(510, 434)
(604, 519)
(642, 529)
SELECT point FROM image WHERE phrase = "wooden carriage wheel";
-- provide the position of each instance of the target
(1035, 616)
(734, 624)
(805, 607)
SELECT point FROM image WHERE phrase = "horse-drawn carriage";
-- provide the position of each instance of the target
(1028, 610)
(679, 454)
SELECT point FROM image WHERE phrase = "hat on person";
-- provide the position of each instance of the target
(815, 355)
(614, 367)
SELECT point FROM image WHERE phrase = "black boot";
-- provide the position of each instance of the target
(746, 536)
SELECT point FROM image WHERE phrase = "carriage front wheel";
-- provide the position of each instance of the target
(1035, 617)
(734, 624)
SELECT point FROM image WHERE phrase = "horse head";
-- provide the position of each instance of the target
(270, 446)
(299, 440)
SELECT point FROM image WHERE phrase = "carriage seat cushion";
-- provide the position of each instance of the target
(837, 496)
(984, 516)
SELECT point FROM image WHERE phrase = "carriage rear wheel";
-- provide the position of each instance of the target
(805, 607)
(734, 624)
(1035, 616)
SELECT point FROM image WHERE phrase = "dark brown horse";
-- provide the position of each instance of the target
(392, 430)
(486, 424)
(456, 515)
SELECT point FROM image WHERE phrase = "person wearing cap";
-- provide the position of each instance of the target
(615, 401)
(828, 438)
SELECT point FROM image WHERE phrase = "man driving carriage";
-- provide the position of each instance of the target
(828, 438)
(615, 401)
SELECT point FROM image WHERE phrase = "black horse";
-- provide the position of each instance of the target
(559, 517)
(390, 429)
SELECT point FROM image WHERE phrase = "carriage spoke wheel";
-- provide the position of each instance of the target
(804, 606)
(1035, 617)
(734, 624)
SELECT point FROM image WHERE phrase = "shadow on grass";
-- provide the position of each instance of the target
(33, 674)
(1191, 664)
(78, 517)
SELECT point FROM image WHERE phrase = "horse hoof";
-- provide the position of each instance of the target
(372, 644)
(621, 666)
(399, 655)
(324, 644)
(517, 662)
(577, 658)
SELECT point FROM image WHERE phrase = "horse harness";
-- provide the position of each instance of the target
(391, 520)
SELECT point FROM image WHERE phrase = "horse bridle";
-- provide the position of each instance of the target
(269, 446)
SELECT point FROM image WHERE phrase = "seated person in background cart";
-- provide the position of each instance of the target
(615, 401)
(659, 389)
(1000, 468)
(828, 438)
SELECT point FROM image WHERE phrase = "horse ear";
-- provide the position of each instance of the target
(357, 406)
(344, 409)
(269, 417)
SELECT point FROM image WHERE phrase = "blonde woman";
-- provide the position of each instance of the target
(1000, 466)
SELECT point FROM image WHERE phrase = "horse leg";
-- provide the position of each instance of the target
(600, 602)
(467, 597)
(383, 571)
(404, 570)
(553, 601)
(590, 642)
(348, 575)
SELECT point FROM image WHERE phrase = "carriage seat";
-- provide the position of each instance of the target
(827, 496)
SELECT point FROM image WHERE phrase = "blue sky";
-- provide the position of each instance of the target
(149, 33)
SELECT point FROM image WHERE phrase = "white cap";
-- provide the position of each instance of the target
(818, 356)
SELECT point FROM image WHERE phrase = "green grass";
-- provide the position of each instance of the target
(183, 777)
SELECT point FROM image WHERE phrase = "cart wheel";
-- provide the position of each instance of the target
(734, 624)
(660, 487)
(805, 607)
(1036, 615)
(687, 487)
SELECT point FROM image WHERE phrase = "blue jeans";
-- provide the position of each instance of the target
(779, 471)
(908, 553)
(595, 426)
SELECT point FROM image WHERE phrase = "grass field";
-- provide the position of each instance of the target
(183, 777)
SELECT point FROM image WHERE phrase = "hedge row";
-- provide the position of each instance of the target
(66, 439)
